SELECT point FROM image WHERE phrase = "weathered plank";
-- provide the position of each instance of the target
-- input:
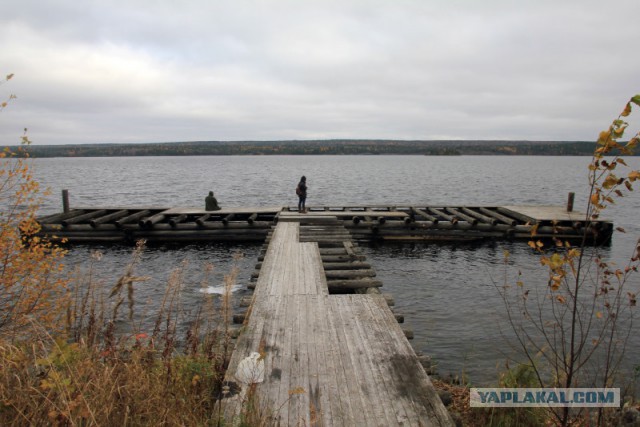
(331, 360)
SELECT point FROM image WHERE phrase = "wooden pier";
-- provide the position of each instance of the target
(364, 223)
(329, 359)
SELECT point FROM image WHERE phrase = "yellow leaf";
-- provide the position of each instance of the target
(633, 175)
(534, 229)
(595, 199)
(599, 314)
(604, 137)
(627, 110)
(561, 299)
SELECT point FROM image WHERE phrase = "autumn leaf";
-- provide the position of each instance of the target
(636, 99)
(627, 110)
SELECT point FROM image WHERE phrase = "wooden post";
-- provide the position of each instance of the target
(570, 200)
(65, 201)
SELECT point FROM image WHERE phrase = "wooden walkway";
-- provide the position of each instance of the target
(330, 360)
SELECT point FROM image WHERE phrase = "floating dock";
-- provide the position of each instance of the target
(364, 223)
(328, 359)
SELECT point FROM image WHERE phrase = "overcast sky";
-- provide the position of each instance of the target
(166, 70)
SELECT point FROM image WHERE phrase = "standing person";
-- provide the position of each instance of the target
(210, 203)
(301, 191)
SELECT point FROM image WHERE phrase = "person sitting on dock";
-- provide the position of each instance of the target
(301, 191)
(210, 203)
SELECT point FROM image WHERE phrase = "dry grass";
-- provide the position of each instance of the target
(94, 374)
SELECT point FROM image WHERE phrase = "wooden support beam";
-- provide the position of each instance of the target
(252, 218)
(483, 218)
(517, 215)
(228, 218)
(110, 217)
(504, 219)
(131, 218)
(349, 274)
(425, 215)
(200, 221)
(148, 222)
(336, 285)
(83, 217)
(442, 214)
(462, 216)
(60, 216)
(173, 222)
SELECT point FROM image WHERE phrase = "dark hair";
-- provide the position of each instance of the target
(304, 178)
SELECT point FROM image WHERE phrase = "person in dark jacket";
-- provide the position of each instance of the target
(210, 203)
(301, 191)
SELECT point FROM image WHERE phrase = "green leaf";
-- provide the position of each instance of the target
(636, 99)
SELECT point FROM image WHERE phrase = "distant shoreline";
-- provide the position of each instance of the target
(318, 147)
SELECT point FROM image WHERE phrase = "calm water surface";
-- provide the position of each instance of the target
(447, 292)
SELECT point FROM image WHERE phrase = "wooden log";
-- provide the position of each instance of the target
(517, 215)
(86, 228)
(424, 215)
(238, 318)
(173, 222)
(110, 217)
(345, 265)
(483, 218)
(442, 214)
(200, 221)
(60, 216)
(337, 285)
(504, 219)
(150, 221)
(342, 258)
(399, 317)
(246, 301)
(349, 249)
(80, 218)
(356, 219)
(252, 218)
(337, 251)
(389, 299)
(86, 238)
(131, 218)
(199, 234)
(349, 274)
(228, 218)
(462, 216)
(408, 333)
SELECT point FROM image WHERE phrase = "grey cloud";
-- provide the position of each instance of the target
(158, 70)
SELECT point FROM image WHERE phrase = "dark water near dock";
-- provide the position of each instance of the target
(446, 291)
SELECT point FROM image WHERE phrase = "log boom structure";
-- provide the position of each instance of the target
(364, 223)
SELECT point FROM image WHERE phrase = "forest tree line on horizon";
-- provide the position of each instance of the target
(317, 147)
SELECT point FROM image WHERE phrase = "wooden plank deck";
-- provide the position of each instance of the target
(330, 360)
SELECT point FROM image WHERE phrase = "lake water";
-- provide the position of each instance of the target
(447, 292)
